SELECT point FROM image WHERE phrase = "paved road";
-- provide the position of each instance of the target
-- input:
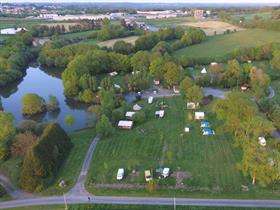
(79, 187)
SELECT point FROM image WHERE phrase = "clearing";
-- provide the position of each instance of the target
(222, 45)
(213, 27)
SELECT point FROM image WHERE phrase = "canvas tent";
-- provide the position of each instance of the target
(203, 71)
(136, 107)
(208, 132)
(204, 124)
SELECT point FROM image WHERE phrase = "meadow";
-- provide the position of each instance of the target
(221, 45)
(165, 22)
(209, 163)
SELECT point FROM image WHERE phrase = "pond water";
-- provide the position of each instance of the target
(45, 82)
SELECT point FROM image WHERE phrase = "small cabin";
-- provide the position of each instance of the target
(125, 124)
(199, 115)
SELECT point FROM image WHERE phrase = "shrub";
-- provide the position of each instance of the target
(104, 127)
(139, 117)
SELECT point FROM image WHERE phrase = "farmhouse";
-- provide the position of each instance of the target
(125, 124)
(199, 115)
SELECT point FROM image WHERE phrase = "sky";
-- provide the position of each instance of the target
(151, 1)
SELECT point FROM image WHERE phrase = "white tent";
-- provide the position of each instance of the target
(203, 71)
(136, 107)
(129, 114)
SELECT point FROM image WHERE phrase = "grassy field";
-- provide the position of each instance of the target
(250, 16)
(19, 22)
(70, 169)
(165, 22)
(82, 34)
(209, 163)
(217, 46)
(128, 207)
(110, 43)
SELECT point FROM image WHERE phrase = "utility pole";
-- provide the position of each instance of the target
(174, 203)
(65, 202)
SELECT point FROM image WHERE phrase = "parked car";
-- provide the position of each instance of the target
(148, 176)
(120, 174)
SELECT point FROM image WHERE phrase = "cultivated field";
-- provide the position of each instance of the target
(165, 22)
(213, 27)
(110, 43)
(218, 46)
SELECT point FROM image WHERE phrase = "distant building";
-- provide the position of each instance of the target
(198, 14)
(48, 16)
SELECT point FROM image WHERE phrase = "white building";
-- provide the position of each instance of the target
(12, 31)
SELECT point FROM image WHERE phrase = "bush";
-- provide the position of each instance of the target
(139, 117)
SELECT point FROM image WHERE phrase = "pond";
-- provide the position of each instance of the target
(45, 82)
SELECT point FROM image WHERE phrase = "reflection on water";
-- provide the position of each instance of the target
(43, 83)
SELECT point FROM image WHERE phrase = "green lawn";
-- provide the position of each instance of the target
(19, 22)
(211, 161)
(250, 16)
(218, 46)
(128, 207)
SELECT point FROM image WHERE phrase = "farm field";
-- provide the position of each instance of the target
(250, 16)
(19, 22)
(221, 45)
(213, 27)
(164, 22)
(82, 34)
(208, 165)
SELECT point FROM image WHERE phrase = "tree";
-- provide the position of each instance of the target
(32, 104)
(140, 61)
(87, 96)
(275, 61)
(69, 120)
(172, 73)
(195, 94)
(7, 133)
(216, 73)
(259, 82)
(156, 68)
(185, 85)
(233, 75)
(23, 142)
(104, 127)
(123, 47)
(53, 103)
(44, 159)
